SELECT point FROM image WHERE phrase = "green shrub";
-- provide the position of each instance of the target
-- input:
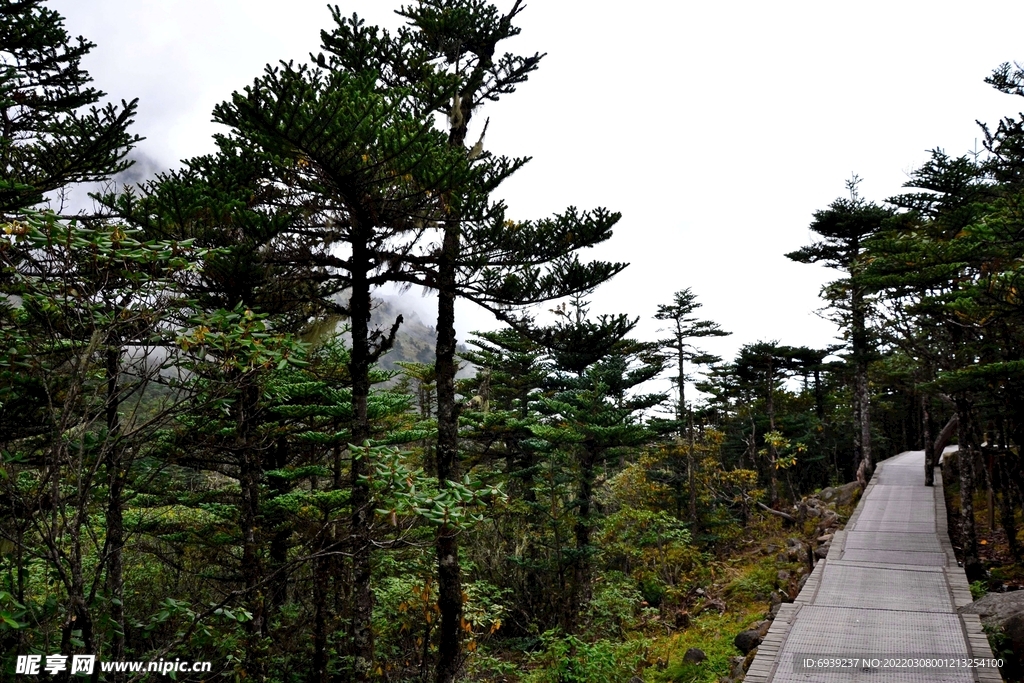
(614, 604)
(568, 659)
(653, 548)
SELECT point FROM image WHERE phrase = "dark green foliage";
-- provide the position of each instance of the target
(83, 340)
(53, 135)
(592, 417)
(948, 270)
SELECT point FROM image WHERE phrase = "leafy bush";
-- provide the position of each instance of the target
(614, 603)
(406, 613)
(652, 547)
(568, 659)
(713, 634)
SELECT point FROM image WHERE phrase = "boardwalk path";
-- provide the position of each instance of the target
(890, 586)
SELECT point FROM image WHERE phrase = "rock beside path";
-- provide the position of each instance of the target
(840, 495)
(1004, 611)
(745, 641)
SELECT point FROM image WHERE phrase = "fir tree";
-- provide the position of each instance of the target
(53, 134)
(478, 255)
(686, 326)
(594, 413)
(845, 226)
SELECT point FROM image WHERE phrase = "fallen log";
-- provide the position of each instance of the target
(784, 515)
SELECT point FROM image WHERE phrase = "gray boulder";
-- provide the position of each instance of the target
(796, 550)
(840, 495)
(745, 641)
(1014, 630)
(736, 669)
(1004, 611)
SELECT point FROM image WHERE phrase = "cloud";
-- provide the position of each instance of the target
(75, 199)
(144, 167)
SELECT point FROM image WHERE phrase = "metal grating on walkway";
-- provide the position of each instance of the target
(893, 540)
(851, 585)
(869, 634)
(905, 527)
(935, 559)
(887, 591)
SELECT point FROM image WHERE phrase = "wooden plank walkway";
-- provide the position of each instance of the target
(888, 592)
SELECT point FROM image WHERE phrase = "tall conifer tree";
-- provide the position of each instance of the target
(52, 134)
(478, 254)
(685, 326)
(845, 226)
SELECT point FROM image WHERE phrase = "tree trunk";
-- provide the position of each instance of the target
(819, 396)
(929, 446)
(680, 381)
(945, 436)
(362, 646)
(865, 465)
(1006, 512)
(449, 575)
(78, 617)
(965, 460)
(321, 579)
(249, 479)
(581, 583)
(773, 473)
(116, 476)
(862, 393)
(691, 467)
(282, 531)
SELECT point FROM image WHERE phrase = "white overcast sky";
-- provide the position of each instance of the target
(716, 128)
